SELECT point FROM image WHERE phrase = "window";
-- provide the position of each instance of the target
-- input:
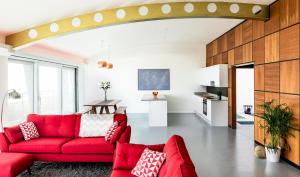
(46, 88)
(20, 78)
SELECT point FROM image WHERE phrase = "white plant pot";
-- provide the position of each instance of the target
(273, 155)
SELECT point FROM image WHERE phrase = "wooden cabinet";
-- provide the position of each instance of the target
(289, 13)
(258, 29)
(247, 53)
(209, 50)
(238, 33)
(272, 48)
(272, 78)
(247, 31)
(230, 40)
(259, 51)
(259, 77)
(293, 154)
(259, 98)
(272, 25)
(293, 102)
(258, 130)
(289, 43)
(289, 77)
(238, 55)
(229, 78)
(217, 59)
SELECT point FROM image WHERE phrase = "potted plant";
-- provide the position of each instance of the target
(105, 85)
(277, 124)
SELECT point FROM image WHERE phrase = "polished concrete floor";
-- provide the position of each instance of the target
(215, 151)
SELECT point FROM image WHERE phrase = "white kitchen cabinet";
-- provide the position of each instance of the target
(216, 75)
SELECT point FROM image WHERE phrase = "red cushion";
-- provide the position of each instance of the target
(121, 173)
(12, 164)
(120, 118)
(39, 145)
(125, 137)
(127, 155)
(54, 125)
(14, 134)
(117, 134)
(88, 146)
(178, 162)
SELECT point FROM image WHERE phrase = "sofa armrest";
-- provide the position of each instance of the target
(4, 143)
(125, 137)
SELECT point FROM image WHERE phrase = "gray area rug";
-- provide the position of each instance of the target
(47, 169)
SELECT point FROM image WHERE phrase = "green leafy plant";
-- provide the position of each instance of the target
(278, 120)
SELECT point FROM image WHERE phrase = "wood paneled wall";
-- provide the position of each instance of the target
(274, 47)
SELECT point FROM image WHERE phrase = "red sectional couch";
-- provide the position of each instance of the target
(59, 140)
(178, 162)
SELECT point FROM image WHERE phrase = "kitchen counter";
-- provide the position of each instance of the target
(211, 99)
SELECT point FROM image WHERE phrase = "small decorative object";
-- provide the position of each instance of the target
(219, 93)
(109, 66)
(277, 120)
(105, 86)
(102, 64)
(155, 93)
(260, 152)
(248, 109)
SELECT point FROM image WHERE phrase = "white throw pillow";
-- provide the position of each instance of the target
(95, 125)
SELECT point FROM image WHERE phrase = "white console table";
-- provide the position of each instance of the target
(158, 110)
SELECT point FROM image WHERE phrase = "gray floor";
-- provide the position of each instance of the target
(216, 151)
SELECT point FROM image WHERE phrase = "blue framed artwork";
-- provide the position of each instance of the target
(153, 79)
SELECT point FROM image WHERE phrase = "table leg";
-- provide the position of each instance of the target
(101, 110)
(106, 109)
(115, 107)
(29, 171)
(94, 110)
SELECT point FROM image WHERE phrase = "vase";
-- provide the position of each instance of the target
(105, 95)
(273, 155)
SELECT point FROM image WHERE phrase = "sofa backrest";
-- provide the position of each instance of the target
(55, 125)
(178, 162)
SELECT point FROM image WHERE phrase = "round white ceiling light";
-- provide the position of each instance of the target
(32, 33)
(76, 22)
(189, 7)
(54, 27)
(234, 8)
(98, 17)
(256, 9)
(120, 13)
(212, 7)
(143, 11)
(166, 8)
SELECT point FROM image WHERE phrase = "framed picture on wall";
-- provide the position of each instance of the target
(153, 79)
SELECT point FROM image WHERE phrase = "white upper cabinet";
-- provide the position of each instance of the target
(216, 76)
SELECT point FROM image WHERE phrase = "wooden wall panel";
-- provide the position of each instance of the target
(222, 44)
(225, 58)
(293, 154)
(289, 43)
(259, 51)
(259, 98)
(209, 61)
(258, 131)
(289, 77)
(293, 102)
(272, 25)
(238, 55)
(289, 13)
(247, 53)
(238, 33)
(272, 48)
(258, 29)
(230, 58)
(209, 51)
(259, 77)
(230, 40)
(247, 31)
(215, 47)
(272, 78)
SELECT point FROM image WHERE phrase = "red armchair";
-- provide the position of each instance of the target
(59, 140)
(178, 162)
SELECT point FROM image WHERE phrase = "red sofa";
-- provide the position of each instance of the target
(59, 140)
(178, 162)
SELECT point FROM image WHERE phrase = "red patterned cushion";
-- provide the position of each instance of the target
(110, 132)
(29, 130)
(149, 163)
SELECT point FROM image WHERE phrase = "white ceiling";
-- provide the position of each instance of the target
(17, 15)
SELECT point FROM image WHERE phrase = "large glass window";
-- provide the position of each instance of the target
(46, 88)
(20, 78)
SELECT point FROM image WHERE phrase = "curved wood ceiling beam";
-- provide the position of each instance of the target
(144, 12)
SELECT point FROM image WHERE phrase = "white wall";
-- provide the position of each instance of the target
(244, 88)
(3, 73)
(183, 61)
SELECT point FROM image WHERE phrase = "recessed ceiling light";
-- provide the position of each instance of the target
(76, 22)
(98, 17)
(121, 13)
(234, 8)
(166, 8)
(188, 7)
(256, 9)
(143, 11)
(212, 7)
(32, 33)
(54, 27)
